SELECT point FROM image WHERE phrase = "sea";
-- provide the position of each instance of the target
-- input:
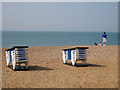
(44, 38)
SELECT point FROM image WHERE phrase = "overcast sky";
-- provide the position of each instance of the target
(60, 16)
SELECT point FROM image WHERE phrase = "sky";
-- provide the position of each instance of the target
(60, 16)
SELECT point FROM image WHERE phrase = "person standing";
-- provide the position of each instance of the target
(104, 36)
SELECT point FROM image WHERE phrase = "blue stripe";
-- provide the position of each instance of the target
(69, 54)
(10, 56)
(21, 59)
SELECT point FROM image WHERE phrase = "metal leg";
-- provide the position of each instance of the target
(73, 59)
(13, 60)
(84, 62)
(26, 65)
(14, 64)
(7, 58)
(19, 65)
(64, 57)
(73, 63)
(8, 61)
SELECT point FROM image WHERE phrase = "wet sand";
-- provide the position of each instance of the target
(46, 69)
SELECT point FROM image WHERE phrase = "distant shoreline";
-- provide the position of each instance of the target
(61, 31)
(65, 46)
(36, 39)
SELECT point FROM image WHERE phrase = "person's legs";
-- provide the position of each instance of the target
(104, 41)
(104, 44)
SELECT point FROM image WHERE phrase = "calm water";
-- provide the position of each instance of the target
(36, 38)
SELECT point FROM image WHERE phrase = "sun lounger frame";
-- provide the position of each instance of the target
(17, 55)
(75, 54)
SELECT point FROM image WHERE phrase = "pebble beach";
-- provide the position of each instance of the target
(46, 69)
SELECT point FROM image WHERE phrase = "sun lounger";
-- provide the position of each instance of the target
(75, 54)
(17, 55)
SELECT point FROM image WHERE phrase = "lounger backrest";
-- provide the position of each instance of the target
(82, 53)
(20, 54)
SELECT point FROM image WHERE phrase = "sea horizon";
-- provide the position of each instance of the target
(51, 31)
(55, 38)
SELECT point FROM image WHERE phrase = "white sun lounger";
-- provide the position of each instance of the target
(17, 55)
(75, 54)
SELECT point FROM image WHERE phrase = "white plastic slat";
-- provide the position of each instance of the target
(20, 49)
(82, 57)
(21, 58)
(19, 55)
